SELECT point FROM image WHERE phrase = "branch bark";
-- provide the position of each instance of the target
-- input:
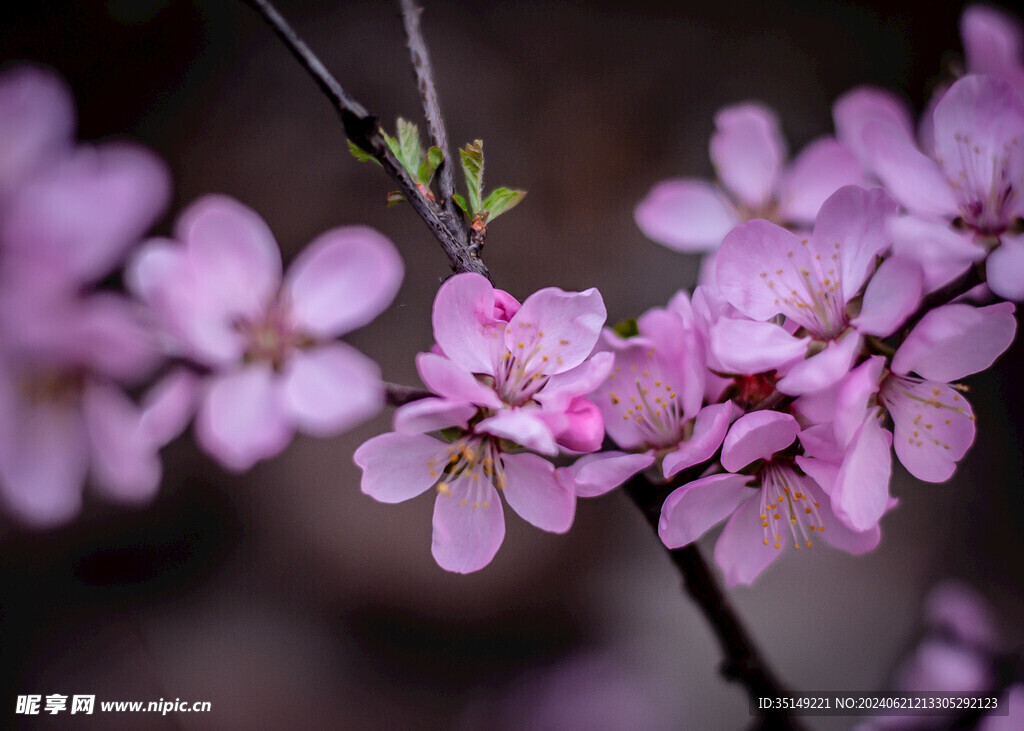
(363, 129)
(398, 395)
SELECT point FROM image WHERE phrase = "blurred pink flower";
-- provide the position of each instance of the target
(749, 155)
(218, 295)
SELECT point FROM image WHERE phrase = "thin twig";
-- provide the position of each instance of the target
(363, 129)
(397, 395)
(743, 662)
(431, 108)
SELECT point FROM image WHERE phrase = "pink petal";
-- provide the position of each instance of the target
(745, 346)
(111, 336)
(169, 405)
(450, 379)
(740, 551)
(839, 535)
(933, 426)
(585, 430)
(1004, 269)
(992, 40)
(822, 471)
(231, 253)
(43, 462)
(821, 168)
(942, 252)
(693, 509)
(240, 418)
(329, 389)
(37, 121)
(563, 388)
(855, 110)
(125, 462)
(822, 369)
(533, 490)
(913, 178)
(861, 492)
(79, 217)
(958, 608)
(342, 280)
(853, 398)
(748, 151)
(978, 128)
(464, 323)
(522, 426)
(469, 526)
(686, 215)
(709, 430)
(893, 294)
(560, 326)
(954, 341)
(397, 467)
(596, 474)
(757, 435)
(433, 414)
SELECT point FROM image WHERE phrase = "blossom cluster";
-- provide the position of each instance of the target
(95, 380)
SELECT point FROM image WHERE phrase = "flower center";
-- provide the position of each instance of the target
(271, 338)
(813, 296)
(52, 387)
(651, 403)
(983, 186)
(474, 459)
(783, 500)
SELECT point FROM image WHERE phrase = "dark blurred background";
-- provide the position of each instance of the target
(285, 596)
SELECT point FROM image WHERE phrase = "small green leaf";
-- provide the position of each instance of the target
(460, 202)
(627, 328)
(473, 166)
(394, 198)
(411, 154)
(501, 200)
(392, 144)
(430, 165)
(360, 154)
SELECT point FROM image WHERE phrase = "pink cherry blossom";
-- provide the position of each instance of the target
(749, 155)
(993, 44)
(772, 505)
(507, 377)
(269, 344)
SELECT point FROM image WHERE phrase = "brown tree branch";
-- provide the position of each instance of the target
(431, 109)
(398, 395)
(363, 129)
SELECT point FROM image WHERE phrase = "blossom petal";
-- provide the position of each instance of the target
(933, 426)
(585, 429)
(954, 341)
(893, 294)
(757, 435)
(746, 346)
(560, 326)
(240, 418)
(397, 467)
(942, 252)
(992, 40)
(758, 264)
(469, 526)
(534, 491)
(686, 215)
(169, 405)
(125, 462)
(861, 492)
(37, 121)
(709, 430)
(1004, 269)
(858, 108)
(432, 414)
(839, 535)
(450, 379)
(913, 178)
(596, 474)
(330, 388)
(464, 323)
(342, 280)
(525, 427)
(562, 388)
(740, 551)
(693, 509)
(853, 397)
(748, 151)
(821, 168)
(822, 369)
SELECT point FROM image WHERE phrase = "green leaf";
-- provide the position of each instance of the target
(501, 200)
(360, 154)
(460, 202)
(394, 198)
(627, 328)
(411, 154)
(392, 144)
(473, 166)
(430, 165)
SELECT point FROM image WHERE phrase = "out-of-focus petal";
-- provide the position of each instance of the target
(992, 40)
(686, 215)
(942, 252)
(1004, 269)
(858, 108)
(169, 405)
(125, 461)
(533, 490)
(690, 511)
(748, 151)
(913, 178)
(342, 280)
(757, 435)
(821, 168)
(469, 526)
(397, 467)
(330, 388)
(37, 121)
